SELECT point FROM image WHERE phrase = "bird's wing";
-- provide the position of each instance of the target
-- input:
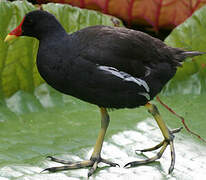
(123, 76)
(107, 86)
(127, 50)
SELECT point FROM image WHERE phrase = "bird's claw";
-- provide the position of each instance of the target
(109, 163)
(50, 158)
(161, 145)
(130, 164)
(93, 163)
(52, 169)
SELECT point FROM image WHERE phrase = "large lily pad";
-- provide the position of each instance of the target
(37, 121)
(155, 13)
(67, 128)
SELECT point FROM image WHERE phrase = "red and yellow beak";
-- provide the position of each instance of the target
(10, 37)
(15, 33)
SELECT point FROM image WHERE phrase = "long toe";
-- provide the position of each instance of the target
(163, 145)
(75, 165)
(58, 160)
(109, 163)
(93, 163)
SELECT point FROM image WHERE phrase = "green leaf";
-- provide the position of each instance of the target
(17, 67)
(191, 35)
(17, 70)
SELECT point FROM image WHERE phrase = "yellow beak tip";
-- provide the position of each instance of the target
(9, 38)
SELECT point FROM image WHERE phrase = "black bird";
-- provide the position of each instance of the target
(112, 67)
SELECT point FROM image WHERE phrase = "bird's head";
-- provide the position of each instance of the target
(36, 24)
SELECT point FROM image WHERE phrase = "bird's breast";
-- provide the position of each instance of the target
(55, 71)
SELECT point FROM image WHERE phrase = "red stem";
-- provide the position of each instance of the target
(105, 9)
(131, 3)
(62, 1)
(159, 5)
(182, 119)
(196, 5)
(82, 4)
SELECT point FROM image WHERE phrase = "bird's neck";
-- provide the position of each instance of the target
(50, 30)
(52, 35)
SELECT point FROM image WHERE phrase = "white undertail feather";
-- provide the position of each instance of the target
(192, 53)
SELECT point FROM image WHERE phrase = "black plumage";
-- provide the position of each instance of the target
(112, 67)
(70, 63)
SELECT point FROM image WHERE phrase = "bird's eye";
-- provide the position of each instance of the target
(28, 22)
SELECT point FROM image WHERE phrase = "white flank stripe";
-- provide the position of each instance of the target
(145, 95)
(127, 77)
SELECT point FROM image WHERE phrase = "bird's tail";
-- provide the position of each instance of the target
(186, 54)
(181, 55)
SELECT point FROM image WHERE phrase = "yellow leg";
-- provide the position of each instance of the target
(155, 113)
(104, 125)
(96, 155)
(168, 140)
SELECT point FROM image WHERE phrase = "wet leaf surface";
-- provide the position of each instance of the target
(69, 131)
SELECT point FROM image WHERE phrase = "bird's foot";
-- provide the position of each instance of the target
(163, 146)
(93, 163)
